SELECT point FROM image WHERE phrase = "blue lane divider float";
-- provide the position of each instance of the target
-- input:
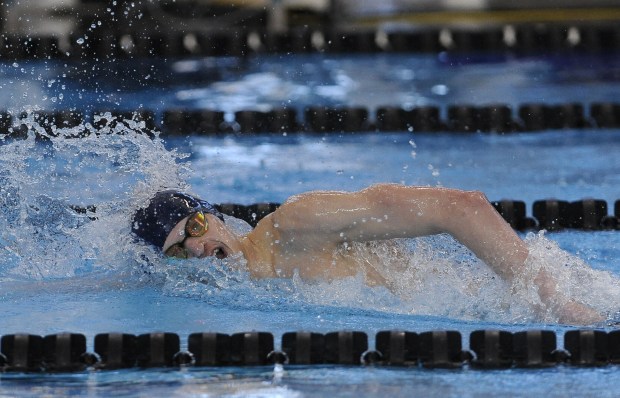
(488, 349)
(493, 118)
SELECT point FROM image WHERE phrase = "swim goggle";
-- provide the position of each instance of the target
(195, 227)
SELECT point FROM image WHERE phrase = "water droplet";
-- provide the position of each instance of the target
(440, 89)
(80, 41)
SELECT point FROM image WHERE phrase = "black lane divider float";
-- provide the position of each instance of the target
(493, 118)
(527, 38)
(555, 215)
(488, 349)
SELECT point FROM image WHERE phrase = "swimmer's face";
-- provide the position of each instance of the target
(200, 235)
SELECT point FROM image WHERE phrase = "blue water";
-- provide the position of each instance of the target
(90, 282)
(306, 80)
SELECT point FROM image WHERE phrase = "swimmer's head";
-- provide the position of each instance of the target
(154, 222)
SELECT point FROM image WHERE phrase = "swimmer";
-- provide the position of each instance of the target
(304, 233)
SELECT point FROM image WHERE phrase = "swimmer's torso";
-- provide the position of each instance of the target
(278, 255)
(293, 240)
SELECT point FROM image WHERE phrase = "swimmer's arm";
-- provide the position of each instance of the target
(387, 211)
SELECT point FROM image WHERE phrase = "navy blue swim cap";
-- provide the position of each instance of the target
(154, 222)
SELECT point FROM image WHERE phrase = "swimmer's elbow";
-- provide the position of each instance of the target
(461, 206)
(471, 201)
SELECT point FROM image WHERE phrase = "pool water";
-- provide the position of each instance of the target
(59, 273)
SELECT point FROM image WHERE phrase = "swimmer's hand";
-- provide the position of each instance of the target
(568, 311)
(574, 313)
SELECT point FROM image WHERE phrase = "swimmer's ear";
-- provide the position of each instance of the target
(88, 211)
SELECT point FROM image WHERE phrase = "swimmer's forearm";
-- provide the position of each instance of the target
(466, 215)
(483, 230)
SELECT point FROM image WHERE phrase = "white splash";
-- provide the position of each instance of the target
(115, 167)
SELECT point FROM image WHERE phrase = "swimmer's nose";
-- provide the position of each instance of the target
(195, 247)
(204, 248)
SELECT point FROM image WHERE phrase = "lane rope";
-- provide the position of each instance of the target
(488, 349)
(173, 122)
(597, 36)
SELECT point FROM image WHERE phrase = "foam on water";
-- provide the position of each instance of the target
(118, 168)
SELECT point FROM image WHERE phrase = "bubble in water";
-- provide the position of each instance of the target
(80, 41)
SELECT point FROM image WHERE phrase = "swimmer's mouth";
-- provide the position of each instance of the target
(217, 249)
(219, 252)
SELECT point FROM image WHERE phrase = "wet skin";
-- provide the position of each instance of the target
(304, 233)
